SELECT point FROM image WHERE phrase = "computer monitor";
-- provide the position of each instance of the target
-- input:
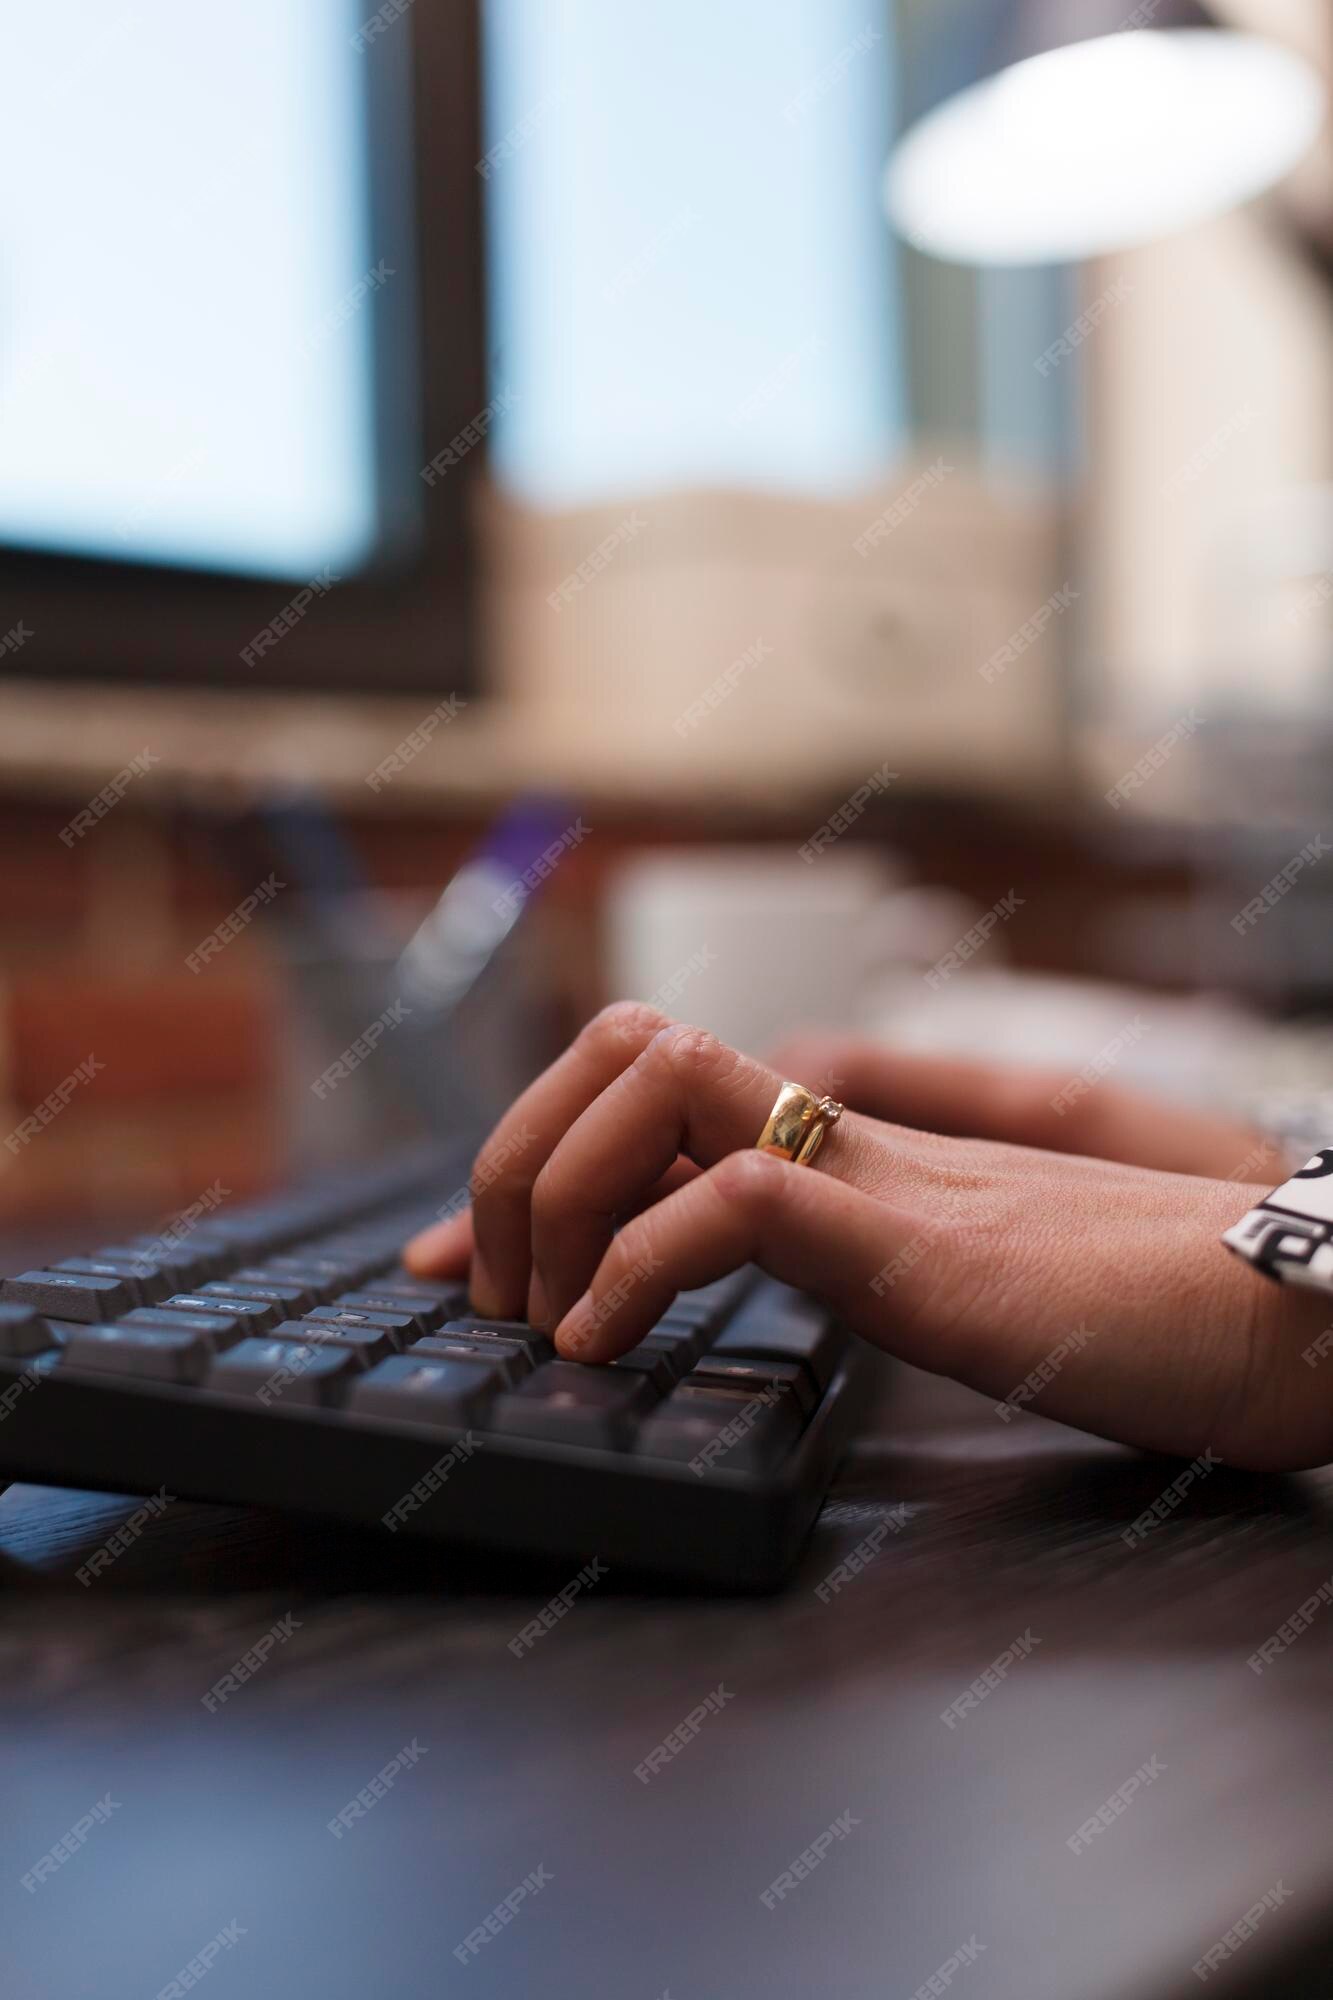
(240, 314)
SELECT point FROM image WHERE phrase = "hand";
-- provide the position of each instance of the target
(980, 1100)
(970, 1258)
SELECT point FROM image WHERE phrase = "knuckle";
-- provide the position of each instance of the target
(690, 1053)
(545, 1191)
(492, 1171)
(752, 1180)
(625, 1023)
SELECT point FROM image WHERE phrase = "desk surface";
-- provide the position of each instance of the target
(958, 1834)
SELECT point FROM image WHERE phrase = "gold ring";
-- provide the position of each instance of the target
(797, 1123)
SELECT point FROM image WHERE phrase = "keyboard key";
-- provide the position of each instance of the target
(164, 1354)
(283, 1371)
(510, 1356)
(327, 1275)
(23, 1332)
(254, 1314)
(451, 1295)
(726, 1431)
(426, 1314)
(400, 1328)
(568, 1403)
(177, 1270)
(771, 1379)
(278, 1287)
(369, 1343)
(143, 1284)
(452, 1393)
(777, 1324)
(69, 1294)
(536, 1343)
(220, 1331)
(655, 1364)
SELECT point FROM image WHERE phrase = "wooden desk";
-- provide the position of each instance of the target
(528, 1763)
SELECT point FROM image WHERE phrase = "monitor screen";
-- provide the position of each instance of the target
(189, 285)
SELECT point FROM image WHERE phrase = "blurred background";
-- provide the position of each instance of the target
(765, 507)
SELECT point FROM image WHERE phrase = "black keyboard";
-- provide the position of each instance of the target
(279, 1355)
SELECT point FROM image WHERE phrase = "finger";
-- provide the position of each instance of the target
(804, 1227)
(444, 1250)
(525, 1138)
(679, 1175)
(686, 1094)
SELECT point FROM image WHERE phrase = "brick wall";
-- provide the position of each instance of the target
(93, 940)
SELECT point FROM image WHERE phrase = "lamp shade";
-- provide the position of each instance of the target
(1102, 144)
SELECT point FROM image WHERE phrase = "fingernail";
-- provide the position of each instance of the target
(539, 1310)
(576, 1329)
